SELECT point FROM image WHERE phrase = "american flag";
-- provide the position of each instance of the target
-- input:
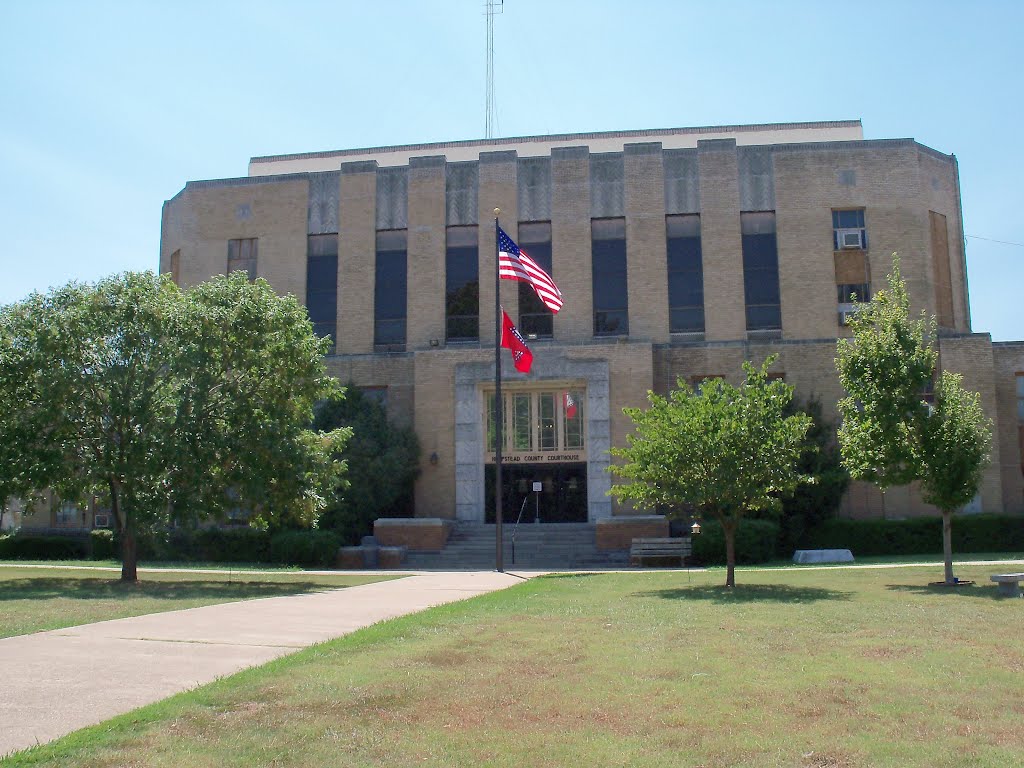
(514, 264)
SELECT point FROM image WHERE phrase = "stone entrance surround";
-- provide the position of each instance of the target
(469, 427)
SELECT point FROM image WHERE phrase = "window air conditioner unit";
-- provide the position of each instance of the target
(850, 238)
(101, 521)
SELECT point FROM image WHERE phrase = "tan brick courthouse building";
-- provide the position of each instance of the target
(679, 253)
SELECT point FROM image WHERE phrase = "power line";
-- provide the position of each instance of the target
(991, 240)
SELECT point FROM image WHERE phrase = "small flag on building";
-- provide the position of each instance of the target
(514, 264)
(522, 357)
(570, 406)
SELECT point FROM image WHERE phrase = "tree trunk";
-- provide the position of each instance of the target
(947, 544)
(129, 547)
(129, 557)
(729, 529)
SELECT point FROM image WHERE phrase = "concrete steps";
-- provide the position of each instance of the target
(545, 545)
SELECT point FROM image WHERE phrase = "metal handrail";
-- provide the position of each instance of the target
(516, 528)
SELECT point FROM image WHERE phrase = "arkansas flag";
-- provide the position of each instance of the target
(522, 357)
(570, 406)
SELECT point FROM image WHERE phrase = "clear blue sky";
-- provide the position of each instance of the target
(108, 108)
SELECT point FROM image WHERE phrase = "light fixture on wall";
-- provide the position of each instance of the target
(695, 529)
(435, 343)
(434, 458)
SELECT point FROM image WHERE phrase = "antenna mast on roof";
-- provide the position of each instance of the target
(494, 7)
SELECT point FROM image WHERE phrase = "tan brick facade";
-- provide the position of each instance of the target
(909, 195)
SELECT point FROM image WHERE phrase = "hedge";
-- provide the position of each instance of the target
(30, 547)
(756, 541)
(305, 548)
(919, 535)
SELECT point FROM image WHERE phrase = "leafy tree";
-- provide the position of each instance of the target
(890, 435)
(726, 451)
(382, 460)
(813, 503)
(171, 405)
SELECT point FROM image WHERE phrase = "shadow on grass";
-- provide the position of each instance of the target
(987, 591)
(92, 589)
(750, 593)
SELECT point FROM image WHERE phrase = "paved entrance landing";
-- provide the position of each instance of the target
(59, 681)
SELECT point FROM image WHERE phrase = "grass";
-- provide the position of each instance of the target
(836, 669)
(36, 599)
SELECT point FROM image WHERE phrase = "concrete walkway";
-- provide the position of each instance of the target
(56, 682)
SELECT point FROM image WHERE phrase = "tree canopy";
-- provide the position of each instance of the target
(382, 459)
(169, 405)
(724, 451)
(890, 434)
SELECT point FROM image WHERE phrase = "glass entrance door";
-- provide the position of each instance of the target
(562, 498)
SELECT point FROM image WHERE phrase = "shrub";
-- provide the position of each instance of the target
(919, 535)
(102, 545)
(305, 547)
(29, 547)
(755, 542)
(232, 545)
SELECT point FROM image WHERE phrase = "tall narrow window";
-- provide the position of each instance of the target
(685, 274)
(176, 267)
(322, 284)
(242, 256)
(462, 285)
(760, 271)
(389, 291)
(535, 320)
(608, 254)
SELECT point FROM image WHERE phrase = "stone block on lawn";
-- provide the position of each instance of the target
(823, 556)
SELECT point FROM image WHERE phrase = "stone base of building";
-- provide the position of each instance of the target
(417, 534)
(618, 532)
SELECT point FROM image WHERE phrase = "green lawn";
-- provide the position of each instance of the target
(822, 669)
(34, 599)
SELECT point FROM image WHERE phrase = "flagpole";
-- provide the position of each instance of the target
(498, 405)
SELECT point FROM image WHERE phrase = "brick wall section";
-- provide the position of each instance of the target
(497, 190)
(1008, 362)
(971, 356)
(434, 420)
(426, 248)
(200, 221)
(721, 244)
(940, 192)
(420, 535)
(357, 257)
(570, 242)
(618, 533)
(392, 371)
(647, 277)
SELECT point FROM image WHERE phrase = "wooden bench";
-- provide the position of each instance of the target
(659, 549)
(1008, 584)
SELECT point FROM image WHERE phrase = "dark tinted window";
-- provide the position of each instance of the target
(760, 271)
(389, 294)
(462, 285)
(535, 320)
(685, 274)
(322, 284)
(608, 264)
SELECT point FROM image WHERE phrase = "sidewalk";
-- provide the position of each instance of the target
(59, 681)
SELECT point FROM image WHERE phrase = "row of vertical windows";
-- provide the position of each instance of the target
(609, 276)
